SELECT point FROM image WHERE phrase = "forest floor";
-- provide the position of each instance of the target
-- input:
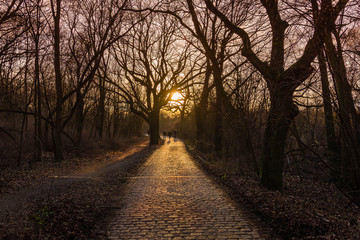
(64, 200)
(305, 209)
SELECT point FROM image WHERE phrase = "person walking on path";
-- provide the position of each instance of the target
(169, 134)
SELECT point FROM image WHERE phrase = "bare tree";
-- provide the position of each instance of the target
(12, 74)
(281, 82)
(153, 64)
(36, 30)
(58, 143)
(349, 119)
(94, 26)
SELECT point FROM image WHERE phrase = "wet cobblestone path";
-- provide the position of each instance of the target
(171, 198)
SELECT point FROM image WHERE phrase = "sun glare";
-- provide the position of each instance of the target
(176, 96)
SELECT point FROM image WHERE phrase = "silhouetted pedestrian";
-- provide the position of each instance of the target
(169, 134)
(164, 135)
(175, 134)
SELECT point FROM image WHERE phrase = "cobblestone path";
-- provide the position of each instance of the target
(171, 198)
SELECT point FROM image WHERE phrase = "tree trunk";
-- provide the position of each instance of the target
(38, 128)
(219, 106)
(218, 136)
(199, 121)
(154, 126)
(200, 115)
(101, 109)
(24, 117)
(329, 118)
(249, 149)
(201, 109)
(47, 142)
(116, 118)
(79, 121)
(282, 113)
(58, 84)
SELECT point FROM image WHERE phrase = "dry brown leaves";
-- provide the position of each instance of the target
(303, 210)
(71, 212)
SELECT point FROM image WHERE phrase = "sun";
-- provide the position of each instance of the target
(176, 96)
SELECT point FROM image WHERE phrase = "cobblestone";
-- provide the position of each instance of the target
(171, 198)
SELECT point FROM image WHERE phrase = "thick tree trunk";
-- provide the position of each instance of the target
(282, 113)
(154, 126)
